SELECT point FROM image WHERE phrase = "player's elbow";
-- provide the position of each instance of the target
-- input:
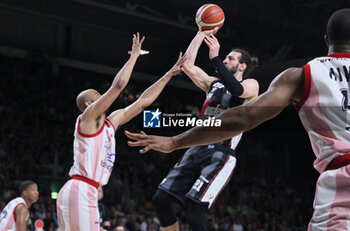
(145, 102)
(120, 84)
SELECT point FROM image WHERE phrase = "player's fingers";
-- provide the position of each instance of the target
(180, 56)
(142, 39)
(214, 38)
(181, 62)
(137, 36)
(216, 30)
(207, 42)
(137, 143)
(134, 136)
(145, 149)
(182, 59)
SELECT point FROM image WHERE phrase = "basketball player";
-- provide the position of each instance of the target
(105, 222)
(15, 214)
(186, 181)
(320, 91)
(94, 144)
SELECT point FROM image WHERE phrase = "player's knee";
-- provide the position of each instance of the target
(162, 203)
(195, 216)
(160, 200)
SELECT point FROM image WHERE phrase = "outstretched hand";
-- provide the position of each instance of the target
(176, 69)
(136, 44)
(209, 32)
(213, 44)
(158, 143)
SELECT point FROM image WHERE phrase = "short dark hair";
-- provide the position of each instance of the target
(251, 61)
(24, 185)
(338, 27)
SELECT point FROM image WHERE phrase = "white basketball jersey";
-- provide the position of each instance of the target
(94, 155)
(325, 107)
(8, 215)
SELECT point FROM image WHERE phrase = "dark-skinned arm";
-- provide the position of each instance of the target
(286, 87)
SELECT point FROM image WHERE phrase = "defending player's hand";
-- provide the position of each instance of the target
(213, 44)
(158, 143)
(176, 69)
(136, 44)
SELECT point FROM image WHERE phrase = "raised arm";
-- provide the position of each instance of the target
(248, 89)
(120, 81)
(196, 74)
(287, 87)
(122, 116)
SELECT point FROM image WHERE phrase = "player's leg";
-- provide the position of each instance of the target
(332, 201)
(195, 215)
(162, 201)
(87, 207)
(216, 173)
(77, 207)
(213, 177)
(173, 189)
(62, 203)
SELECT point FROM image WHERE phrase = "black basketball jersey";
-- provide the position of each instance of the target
(218, 100)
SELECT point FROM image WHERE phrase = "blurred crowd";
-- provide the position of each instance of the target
(38, 113)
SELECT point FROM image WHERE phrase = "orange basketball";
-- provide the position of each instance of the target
(209, 16)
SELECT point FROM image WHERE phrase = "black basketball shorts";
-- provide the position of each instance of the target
(200, 174)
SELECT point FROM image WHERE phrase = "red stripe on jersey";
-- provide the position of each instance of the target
(206, 188)
(307, 86)
(89, 135)
(111, 124)
(14, 210)
(86, 180)
(205, 105)
(339, 162)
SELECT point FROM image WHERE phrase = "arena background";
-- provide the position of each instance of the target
(50, 50)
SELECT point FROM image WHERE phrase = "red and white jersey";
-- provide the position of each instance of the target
(94, 154)
(325, 108)
(8, 215)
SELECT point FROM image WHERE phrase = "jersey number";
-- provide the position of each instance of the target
(3, 215)
(345, 101)
(198, 185)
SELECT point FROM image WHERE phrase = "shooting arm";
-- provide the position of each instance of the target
(196, 74)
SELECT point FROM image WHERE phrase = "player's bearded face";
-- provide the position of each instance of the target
(232, 61)
(233, 69)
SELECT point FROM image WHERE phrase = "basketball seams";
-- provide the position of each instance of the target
(212, 14)
(205, 13)
(201, 12)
